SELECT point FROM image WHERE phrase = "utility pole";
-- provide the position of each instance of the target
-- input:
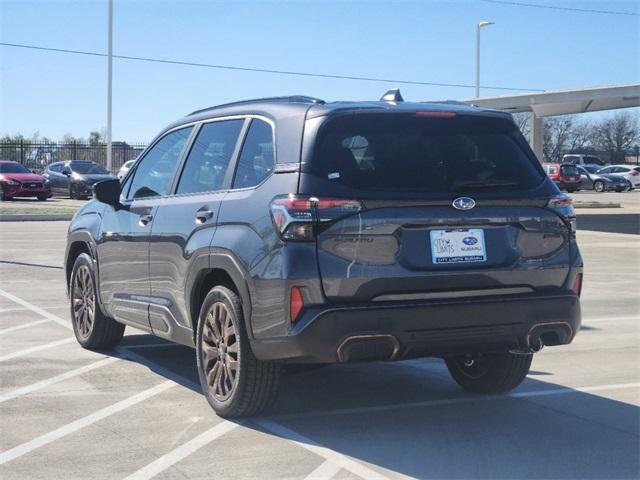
(478, 27)
(109, 83)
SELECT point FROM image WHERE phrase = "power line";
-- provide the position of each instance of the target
(265, 70)
(556, 7)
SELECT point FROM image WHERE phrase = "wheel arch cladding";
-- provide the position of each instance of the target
(76, 247)
(224, 271)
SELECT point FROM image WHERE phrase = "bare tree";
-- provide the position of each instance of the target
(564, 134)
(616, 135)
(522, 121)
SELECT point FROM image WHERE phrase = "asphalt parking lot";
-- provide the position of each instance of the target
(137, 412)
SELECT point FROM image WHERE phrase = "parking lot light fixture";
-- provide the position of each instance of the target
(479, 26)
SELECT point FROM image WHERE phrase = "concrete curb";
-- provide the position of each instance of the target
(35, 218)
(596, 205)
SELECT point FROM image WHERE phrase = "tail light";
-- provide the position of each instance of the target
(296, 303)
(563, 205)
(634, 173)
(576, 287)
(297, 217)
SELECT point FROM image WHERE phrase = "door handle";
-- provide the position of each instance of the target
(203, 215)
(145, 219)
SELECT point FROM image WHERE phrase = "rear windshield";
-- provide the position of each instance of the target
(570, 170)
(409, 152)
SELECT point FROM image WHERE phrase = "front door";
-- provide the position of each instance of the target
(123, 248)
(184, 226)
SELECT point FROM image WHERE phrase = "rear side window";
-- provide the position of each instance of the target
(409, 152)
(256, 160)
(209, 158)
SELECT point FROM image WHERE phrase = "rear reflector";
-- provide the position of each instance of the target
(296, 303)
(577, 284)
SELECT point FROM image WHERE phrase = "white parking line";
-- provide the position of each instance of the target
(34, 308)
(334, 457)
(58, 378)
(609, 319)
(76, 425)
(37, 348)
(325, 471)
(174, 456)
(24, 325)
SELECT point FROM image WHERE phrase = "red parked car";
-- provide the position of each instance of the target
(17, 181)
(565, 176)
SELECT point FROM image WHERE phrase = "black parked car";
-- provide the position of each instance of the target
(75, 178)
(290, 230)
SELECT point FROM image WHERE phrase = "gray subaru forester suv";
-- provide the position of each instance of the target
(289, 230)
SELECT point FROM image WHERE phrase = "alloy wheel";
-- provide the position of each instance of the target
(220, 349)
(84, 302)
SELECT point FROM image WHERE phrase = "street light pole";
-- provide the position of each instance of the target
(109, 83)
(478, 27)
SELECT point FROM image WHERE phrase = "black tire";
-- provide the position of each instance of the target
(489, 373)
(42, 197)
(598, 186)
(6, 199)
(99, 331)
(255, 384)
(72, 192)
(571, 190)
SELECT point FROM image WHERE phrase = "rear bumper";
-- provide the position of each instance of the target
(436, 328)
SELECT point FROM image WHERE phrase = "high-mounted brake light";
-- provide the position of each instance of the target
(563, 205)
(297, 216)
(436, 114)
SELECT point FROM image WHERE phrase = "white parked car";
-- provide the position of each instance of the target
(126, 166)
(630, 172)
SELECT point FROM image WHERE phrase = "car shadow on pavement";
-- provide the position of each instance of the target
(409, 417)
(612, 223)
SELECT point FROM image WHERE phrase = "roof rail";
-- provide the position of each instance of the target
(289, 99)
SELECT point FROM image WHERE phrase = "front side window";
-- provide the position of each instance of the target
(256, 161)
(209, 158)
(155, 171)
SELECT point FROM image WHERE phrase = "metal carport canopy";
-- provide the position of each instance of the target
(561, 102)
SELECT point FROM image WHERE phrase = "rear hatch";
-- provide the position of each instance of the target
(427, 205)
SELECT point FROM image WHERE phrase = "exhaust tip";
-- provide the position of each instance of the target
(361, 348)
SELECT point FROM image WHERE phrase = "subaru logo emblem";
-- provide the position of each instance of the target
(463, 203)
(470, 240)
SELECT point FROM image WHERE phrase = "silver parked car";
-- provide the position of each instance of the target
(126, 166)
(590, 180)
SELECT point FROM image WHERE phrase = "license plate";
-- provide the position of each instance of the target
(33, 185)
(458, 246)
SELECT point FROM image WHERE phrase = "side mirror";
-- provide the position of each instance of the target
(108, 191)
(66, 173)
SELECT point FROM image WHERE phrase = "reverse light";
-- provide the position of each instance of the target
(297, 216)
(296, 303)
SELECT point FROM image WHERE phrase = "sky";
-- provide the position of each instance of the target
(428, 41)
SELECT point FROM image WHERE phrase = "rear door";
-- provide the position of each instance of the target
(449, 205)
(184, 224)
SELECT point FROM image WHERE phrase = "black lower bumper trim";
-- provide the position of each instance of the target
(427, 329)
